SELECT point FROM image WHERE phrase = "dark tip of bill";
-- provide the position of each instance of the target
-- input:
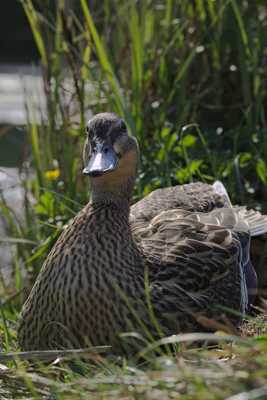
(95, 174)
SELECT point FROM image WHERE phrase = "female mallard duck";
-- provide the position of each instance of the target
(189, 242)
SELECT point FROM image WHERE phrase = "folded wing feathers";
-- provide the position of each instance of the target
(206, 245)
(255, 221)
(191, 247)
(204, 251)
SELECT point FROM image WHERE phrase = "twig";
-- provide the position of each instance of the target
(48, 355)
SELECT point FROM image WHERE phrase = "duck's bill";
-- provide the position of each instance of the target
(102, 161)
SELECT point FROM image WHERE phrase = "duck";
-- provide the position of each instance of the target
(176, 258)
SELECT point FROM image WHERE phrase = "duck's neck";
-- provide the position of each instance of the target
(110, 192)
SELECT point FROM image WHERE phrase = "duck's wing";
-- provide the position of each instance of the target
(256, 221)
(194, 197)
(193, 248)
(202, 254)
(194, 256)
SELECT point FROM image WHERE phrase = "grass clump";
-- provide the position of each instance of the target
(237, 367)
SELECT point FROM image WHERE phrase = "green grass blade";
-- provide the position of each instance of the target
(36, 152)
(241, 25)
(103, 58)
(37, 34)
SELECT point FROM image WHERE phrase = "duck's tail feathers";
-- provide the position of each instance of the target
(220, 189)
(257, 222)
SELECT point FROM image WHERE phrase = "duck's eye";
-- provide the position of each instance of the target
(105, 150)
(122, 126)
(93, 147)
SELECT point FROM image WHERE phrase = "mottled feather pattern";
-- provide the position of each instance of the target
(75, 295)
(192, 197)
(189, 240)
(186, 258)
(193, 253)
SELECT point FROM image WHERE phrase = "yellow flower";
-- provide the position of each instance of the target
(52, 174)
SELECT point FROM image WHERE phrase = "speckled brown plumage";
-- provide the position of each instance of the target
(188, 239)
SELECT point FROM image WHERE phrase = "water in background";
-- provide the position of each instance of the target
(19, 85)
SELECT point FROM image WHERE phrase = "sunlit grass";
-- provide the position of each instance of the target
(212, 372)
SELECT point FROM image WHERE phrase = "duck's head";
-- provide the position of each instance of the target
(110, 157)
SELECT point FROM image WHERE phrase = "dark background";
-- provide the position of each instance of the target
(16, 41)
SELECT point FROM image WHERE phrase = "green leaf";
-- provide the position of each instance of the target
(46, 205)
(244, 158)
(262, 170)
(195, 165)
(188, 140)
